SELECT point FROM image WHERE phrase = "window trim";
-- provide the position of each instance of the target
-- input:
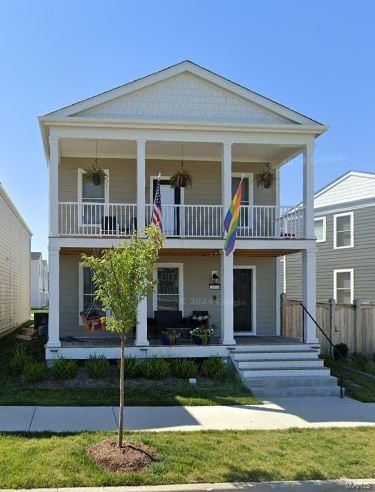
(345, 214)
(324, 220)
(343, 270)
(250, 178)
(180, 267)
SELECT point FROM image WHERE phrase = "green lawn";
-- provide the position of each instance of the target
(356, 386)
(185, 457)
(150, 393)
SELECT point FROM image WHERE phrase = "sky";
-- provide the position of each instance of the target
(314, 57)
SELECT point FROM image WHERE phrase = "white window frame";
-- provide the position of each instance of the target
(344, 270)
(253, 300)
(180, 267)
(324, 220)
(351, 215)
(164, 178)
(81, 172)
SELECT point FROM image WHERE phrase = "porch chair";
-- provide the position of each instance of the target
(171, 320)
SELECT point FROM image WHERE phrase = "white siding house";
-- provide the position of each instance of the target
(219, 131)
(39, 281)
(15, 241)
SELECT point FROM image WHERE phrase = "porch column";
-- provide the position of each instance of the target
(308, 190)
(53, 186)
(141, 328)
(54, 298)
(226, 176)
(141, 186)
(226, 274)
(309, 293)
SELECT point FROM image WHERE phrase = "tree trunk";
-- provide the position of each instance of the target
(122, 394)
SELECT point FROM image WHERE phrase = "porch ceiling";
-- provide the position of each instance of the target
(240, 253)
(172, 150)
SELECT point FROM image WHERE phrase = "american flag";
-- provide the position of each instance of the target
(157, 209)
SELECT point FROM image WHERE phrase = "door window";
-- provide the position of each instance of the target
(168, 295)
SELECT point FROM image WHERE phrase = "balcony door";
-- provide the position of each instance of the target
(169, 198)
(246, 214)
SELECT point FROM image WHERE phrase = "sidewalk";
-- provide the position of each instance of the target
(278, 414)
(326, 485)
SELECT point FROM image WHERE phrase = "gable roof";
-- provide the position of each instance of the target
(186, 66)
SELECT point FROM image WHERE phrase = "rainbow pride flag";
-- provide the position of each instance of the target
(231, 221)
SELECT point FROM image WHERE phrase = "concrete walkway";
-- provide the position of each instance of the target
(278, 414)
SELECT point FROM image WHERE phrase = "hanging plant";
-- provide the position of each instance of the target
(96, 174)
(264, 178)
(181, 179)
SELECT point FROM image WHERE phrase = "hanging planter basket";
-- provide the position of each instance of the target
(96, 174)
(182, 179)
(265, 178)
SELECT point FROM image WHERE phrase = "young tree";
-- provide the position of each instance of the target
(123, 276)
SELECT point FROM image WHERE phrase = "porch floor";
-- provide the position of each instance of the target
(155, 342)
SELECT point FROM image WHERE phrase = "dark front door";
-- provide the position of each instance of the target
(242, 280)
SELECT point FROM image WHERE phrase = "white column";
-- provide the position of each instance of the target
(141, 328)
(226, 176)
(141, 186)
(309, 293)
(227, 337)
(53, 185)
(308, 190)
(54, 297)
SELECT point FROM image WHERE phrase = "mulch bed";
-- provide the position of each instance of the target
(132, 457)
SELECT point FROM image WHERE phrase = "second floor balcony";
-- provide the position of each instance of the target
(93, 219)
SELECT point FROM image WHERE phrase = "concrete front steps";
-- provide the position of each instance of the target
(283, 370)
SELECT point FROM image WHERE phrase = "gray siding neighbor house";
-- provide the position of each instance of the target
(344, 214)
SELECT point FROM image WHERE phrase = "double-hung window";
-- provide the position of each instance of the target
(320, 228)
(343, 230)
(343, 286)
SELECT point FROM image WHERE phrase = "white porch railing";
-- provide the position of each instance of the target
(187, 221)
(97, 219)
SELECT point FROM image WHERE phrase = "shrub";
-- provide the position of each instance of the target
(156, 368)
(64, 368)
(21, 355)
(361, 362)
(185, 368)
(226, 374)
(212, 366)
(97, 366)
(34, 371)
(133, 368)
(340, 348)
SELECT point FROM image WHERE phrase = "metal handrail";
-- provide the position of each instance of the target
(341, 377)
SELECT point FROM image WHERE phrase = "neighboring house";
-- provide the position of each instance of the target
(345, 233)
(220, 130)
(15, 245)
(39, 281)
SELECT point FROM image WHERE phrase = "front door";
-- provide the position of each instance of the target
(242, 305)
(170, 214)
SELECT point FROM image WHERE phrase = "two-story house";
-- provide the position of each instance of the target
(39, 281)
(345, 233)
(218, 130)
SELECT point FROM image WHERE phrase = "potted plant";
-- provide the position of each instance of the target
(265, 178)
(181, 179)
(97, 174)
(202, 336)
(169, 337)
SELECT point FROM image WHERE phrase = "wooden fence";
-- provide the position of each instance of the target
(352, 324)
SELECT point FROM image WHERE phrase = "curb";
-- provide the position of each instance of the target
(326, 485)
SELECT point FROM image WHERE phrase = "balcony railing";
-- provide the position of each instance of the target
(93, 219)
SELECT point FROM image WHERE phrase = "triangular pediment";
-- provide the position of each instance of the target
(184, 97)
(185, 92)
